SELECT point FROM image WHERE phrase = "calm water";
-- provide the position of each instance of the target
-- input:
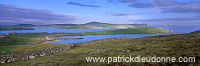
(95, 37)
(181, 29)
(176, 29)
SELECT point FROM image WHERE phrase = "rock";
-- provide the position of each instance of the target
(126, 50)
(2, 62)
(100, 49)
(31, 57)
(8, 61)
(168, 31)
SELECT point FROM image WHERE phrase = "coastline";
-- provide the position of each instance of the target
(48, 38)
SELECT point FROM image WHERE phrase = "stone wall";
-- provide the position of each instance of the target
(47, 51)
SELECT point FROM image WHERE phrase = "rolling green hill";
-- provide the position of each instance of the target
(90, 25)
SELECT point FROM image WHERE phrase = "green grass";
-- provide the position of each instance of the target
(18, 40)
(5, 50)
(23, 38)
(24, 48)
(180, 45)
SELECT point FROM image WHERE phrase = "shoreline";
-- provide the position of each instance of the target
(48, 38)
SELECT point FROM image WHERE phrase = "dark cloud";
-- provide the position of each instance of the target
(78, 4)
(14, 14)
(127, 14)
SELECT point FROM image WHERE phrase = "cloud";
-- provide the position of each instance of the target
(153, 3)
(164, 5)
(121, 1)
(127, 14)
(78, 4)
(15, 14)
(183, 8)
(178, 20)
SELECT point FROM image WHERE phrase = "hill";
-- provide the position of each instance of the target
(25, 25)
(90, 25)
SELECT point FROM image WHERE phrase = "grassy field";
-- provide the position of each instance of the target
(23, 38)
(22, 48)
(18, 40)
(180, 45)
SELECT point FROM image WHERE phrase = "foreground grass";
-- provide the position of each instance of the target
(22, 48)
(182, 45)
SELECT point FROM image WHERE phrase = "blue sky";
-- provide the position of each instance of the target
(152, 12)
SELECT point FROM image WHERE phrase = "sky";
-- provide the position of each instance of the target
(151, 12)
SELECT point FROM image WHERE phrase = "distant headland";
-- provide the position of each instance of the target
(90, 25)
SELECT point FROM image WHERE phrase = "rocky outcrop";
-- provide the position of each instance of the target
(168, 31)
